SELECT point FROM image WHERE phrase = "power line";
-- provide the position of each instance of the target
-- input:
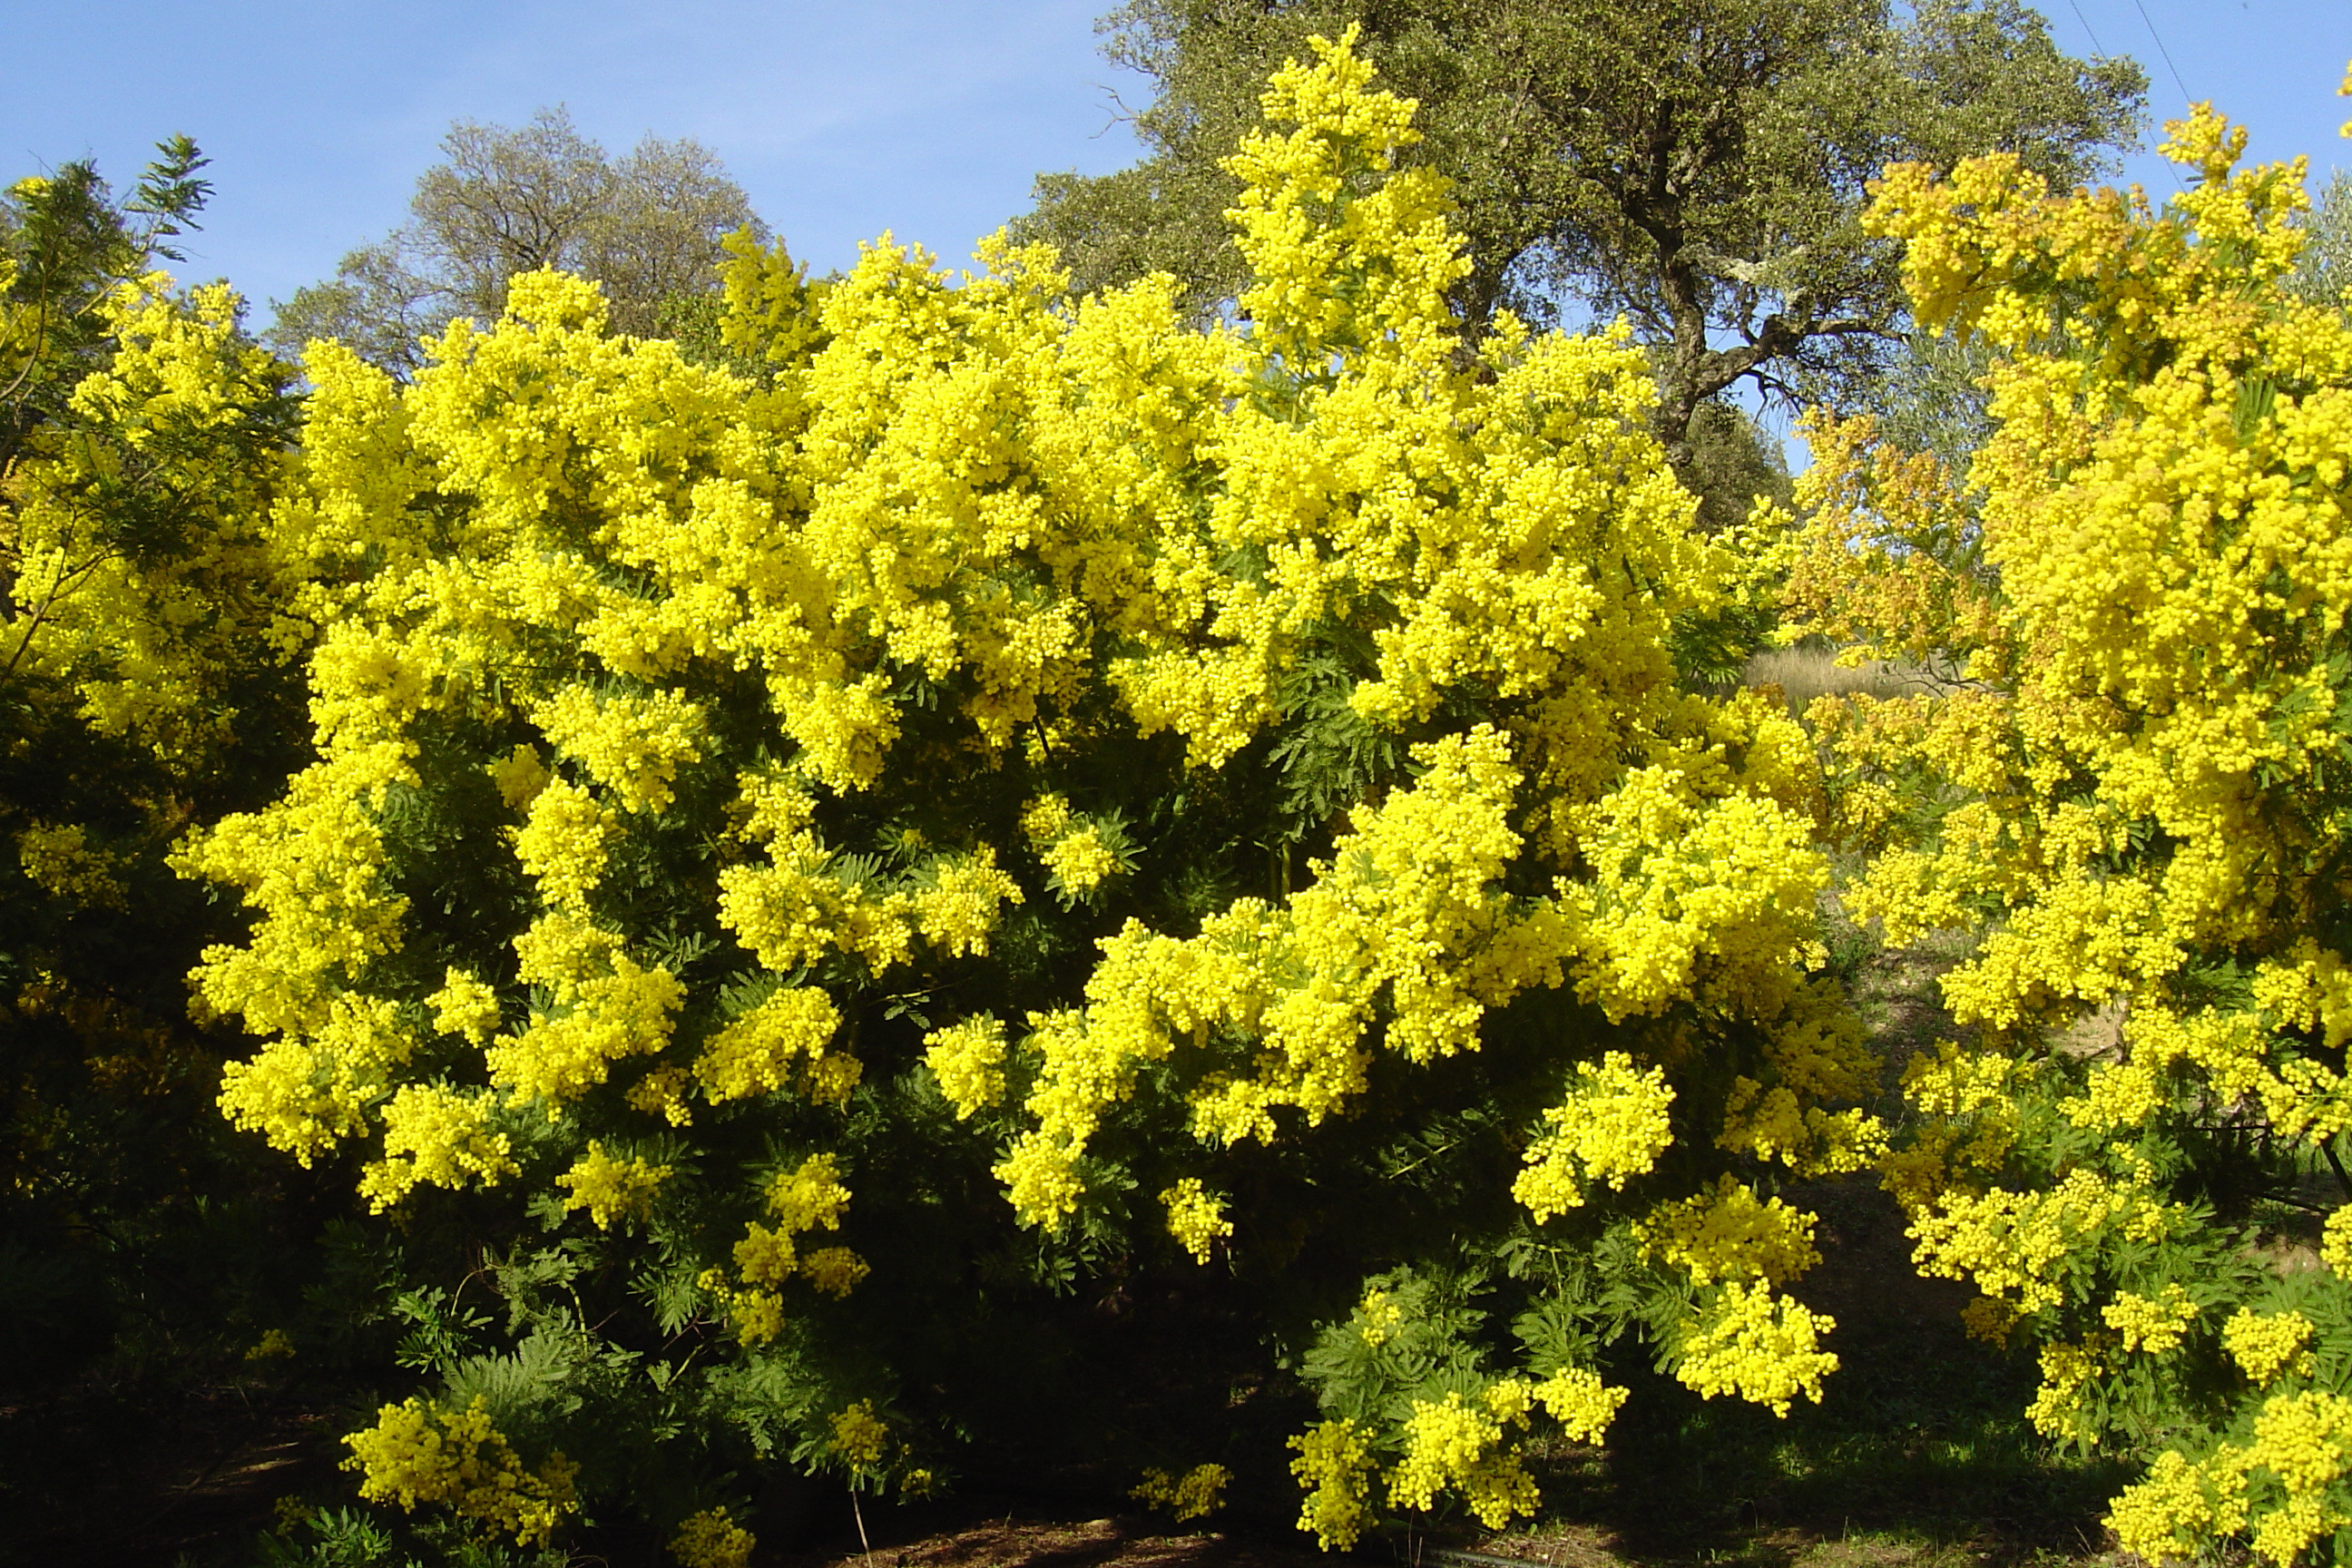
(2086, 28)
(2159, 49)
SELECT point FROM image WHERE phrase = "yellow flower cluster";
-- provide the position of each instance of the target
(712, 1538)
(2010, 1243)
(59, 860)
(150, 634)
(1335, 1466)
(438, 1135)
(1460, 1446)
(1612, 1126)
(2335, 1242)
(810, 1196)
(2066, 1369)
(1731, 1235)
(757, 1053)
(968, 1059)
(611, 1189)
(859, 1436)
(1455, 1444)
(2154, 1324)
(1196, 1216)
(2129, 773)
(421, 1452)
(1579, 1402)
(1762, 1347)
(1077, 853)
(778, 696)
(2265, 1344)
(1196, 1494)
(2301, 1447)
(1378, 1317)
(631, 745)
(605, 1008)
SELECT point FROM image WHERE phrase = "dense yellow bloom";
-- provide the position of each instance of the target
(1081, 860)
(776, 704)
(758, 1053)
(1464, 1446)
(518, 776)
(810, 1195)
(712, 1540)
(2152, 1324)
(436, 1135)
(2302, 1446)
(464, 1006)
(149, 637)
(1196, 1216)
(2008, 1243)
(611, 1189)
(305, 1095)
(968, 1059)
(2065, 1368)
(421, 1452)
(2268, 1343)
(2132, 759)
(1196, 1494)
(59, 860)
(1730, 1233)
(561, 843)
(606, 1007)
(631, 745)
(273, 1345)
(1579, 1402)
(1077, 852)
(833, 1270)
(1335, 1466)
(2335, 1242)
(1614, 1126)
(1762, 1347)
(859, 1436)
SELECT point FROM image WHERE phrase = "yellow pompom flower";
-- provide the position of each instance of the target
(2151, 1324)
(968, 1060)
(1196, 1216)
(439, 1136)
(1761, 1347)
(859, 1436)
(1335, 1466)
(611, 1189)
(422, 1452)
(758, 1053)
(466, 1006)
(58, 858)
(1462, 1446)
(1196, 1494)
(1613, 1127)
(835, 1270)
(2267, 1343)
(712, 1538)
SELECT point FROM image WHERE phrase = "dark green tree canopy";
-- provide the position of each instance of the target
(1696, 165)
(646, 226)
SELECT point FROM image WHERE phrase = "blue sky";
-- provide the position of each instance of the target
(925, 117)
(2270, 65)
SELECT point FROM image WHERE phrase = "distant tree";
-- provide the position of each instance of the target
(1696, 165)
(647, 227)
(2324, 275)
